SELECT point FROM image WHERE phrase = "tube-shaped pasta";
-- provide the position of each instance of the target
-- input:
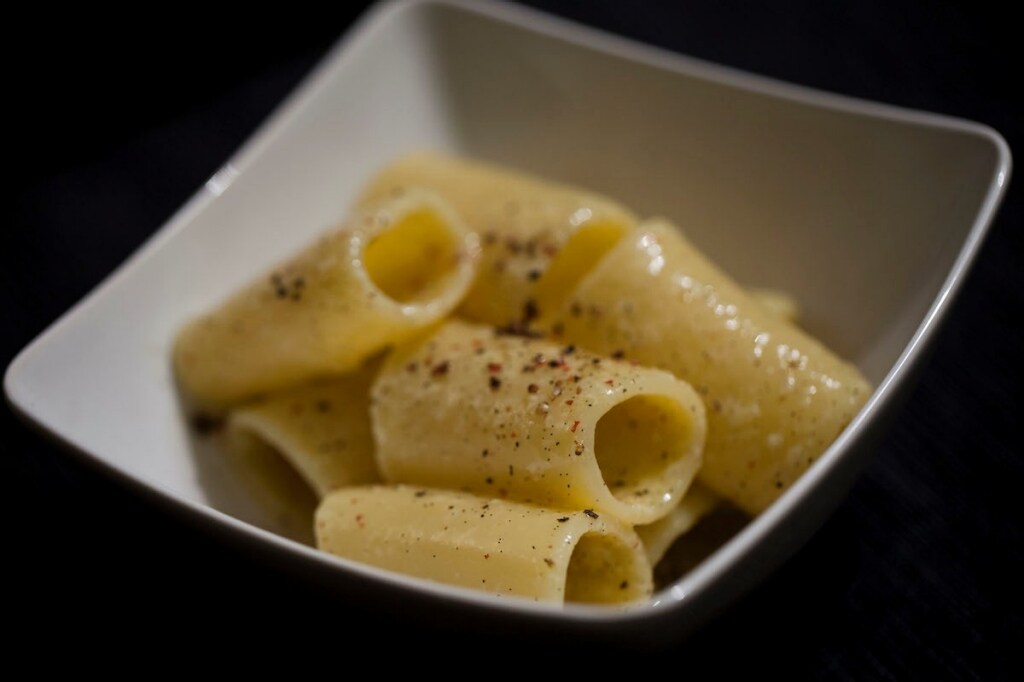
(504, 548)
(659, 536)
(778, 303)
(538, 238)
(470, 408)
(321, 429)
(776, 397)
(394, 268)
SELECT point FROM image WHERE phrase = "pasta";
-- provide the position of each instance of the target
(776, 397)
(321, 429)
(659, 535)
(492, 381)
(538, 238)
(468, 408)
(777, 303)
(501, 547)
(395, 267)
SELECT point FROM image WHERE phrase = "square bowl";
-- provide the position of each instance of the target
(868, 214)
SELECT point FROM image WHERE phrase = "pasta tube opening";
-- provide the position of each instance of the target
(268, 479)
(538, 238)
(256, 453)
(392, 269)
(603, 570)
(416, 260)
(472, 408)
(637, 443)
(776, 398)
(322, 430)
(660, 535)
(580, 254)
(504, 548)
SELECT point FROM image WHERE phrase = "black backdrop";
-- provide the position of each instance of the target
(119, 117)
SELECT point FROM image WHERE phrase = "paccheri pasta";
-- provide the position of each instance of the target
(776, 397)
(529, 420)
(493, 381)
(505, 548)
(537, 237)
(394, 267)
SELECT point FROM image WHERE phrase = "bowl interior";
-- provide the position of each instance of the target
(858, 212)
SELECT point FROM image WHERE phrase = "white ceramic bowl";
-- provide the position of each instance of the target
(870, 215)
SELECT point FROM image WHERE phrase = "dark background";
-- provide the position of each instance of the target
(119, 117)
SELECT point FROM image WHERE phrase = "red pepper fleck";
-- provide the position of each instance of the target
(360, 521)
(440, 369)
(610, 382)
(568, 402)
(574, 426)
(493, 367)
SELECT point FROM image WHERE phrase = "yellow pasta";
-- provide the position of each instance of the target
(776, 397)
(321, 429)
(470, 450)
(469, 408)
(500, 547)
(659, 536)
(278, 497)
(395, 267)
(538, 237)
(777, 302)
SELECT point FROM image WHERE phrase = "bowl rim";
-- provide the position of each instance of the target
(727, 557)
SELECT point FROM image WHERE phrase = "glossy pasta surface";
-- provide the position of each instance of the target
(392, 268)
(537, 237)
(470, 408)
(776, 397)
(500, 382)
(501, 547)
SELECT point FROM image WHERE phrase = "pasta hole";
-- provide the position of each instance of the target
(574, 260)
(413, 260)
(635, 443)
(603, 570)
(273, 484)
